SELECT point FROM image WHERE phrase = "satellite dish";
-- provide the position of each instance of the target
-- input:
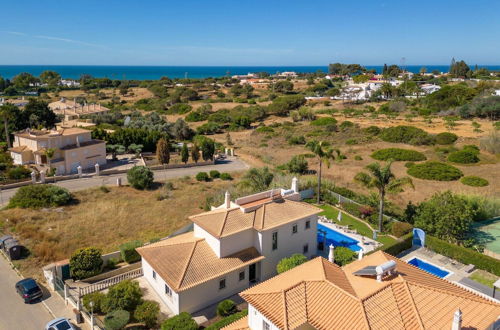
(127, 121)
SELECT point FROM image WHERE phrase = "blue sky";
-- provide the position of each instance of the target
(244, 32)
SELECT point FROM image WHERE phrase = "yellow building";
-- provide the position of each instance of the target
(73, 147)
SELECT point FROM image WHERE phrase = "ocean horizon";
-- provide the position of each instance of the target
(156, 72)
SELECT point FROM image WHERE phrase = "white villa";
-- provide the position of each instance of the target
(231, 247)
(377, 292)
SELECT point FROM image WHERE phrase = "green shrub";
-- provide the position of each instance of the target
(196, 116)
(358, 157)
(401, 228)
(291, 262)
(85, 262)
(183, 321)
(398, 154)
(298, 164)
(345, 125)
(209, 128)
(406, 134)
(463, 255)
(463, 157)
(351, 142)
(148, 312)
(373, 130)
(97, 298)
(179, 108)
(40, 195)
(474, 181)
(140, 177)
(432, 170)
(471, 148)
(226, 177)
(409, 164)
(124, 295)
(446, 138)
(264, 129)
(293, 140)
(226, 307)
(116, 320)
(202, 176)
(214, 174)
(128, 252)
(18, 172)
(343, 255)
(324, 121)
(227, 320)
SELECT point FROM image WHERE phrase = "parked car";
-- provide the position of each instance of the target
(29, 290)
(59, 324)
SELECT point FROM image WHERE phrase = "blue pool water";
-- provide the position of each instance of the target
(337, 239)
(439, 272)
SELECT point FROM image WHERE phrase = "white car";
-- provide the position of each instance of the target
(59, 324)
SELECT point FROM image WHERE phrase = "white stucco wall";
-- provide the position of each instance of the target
(208, 293)
(212, 241)
(256, 319)
(237, 242)
(288, 243)
(158, 285)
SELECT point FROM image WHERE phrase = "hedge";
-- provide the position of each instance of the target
(395, 248)
(474, 181)
(226, 308)
(432, 170)
(37, 196)
(128, 252)
(401, 228)
(446, 138)
(463, 157)
(202, 176)
(398, 154)
(227, 320)
(116, 320)
(464, 255)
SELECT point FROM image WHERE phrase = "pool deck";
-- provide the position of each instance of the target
(369, 244)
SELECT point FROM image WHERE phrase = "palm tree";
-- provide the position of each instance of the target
(7, 113)
(324, 154)
(382, 179)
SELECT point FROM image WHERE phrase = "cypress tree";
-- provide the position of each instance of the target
(162, 151)
(184, 153)
(195, 153)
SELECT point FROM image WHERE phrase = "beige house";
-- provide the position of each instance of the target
(231, 248)
(377, 292)
(73, 147)
(72, 109)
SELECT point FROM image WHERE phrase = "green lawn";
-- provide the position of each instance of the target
(485, 279)
(362, 229)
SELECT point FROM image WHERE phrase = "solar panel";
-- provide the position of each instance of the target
(367, 271)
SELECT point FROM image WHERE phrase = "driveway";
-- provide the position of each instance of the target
(228, 165)
(14, 313)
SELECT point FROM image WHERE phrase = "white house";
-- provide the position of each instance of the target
(497, 92)
(378, 291)
(231, 247)
(430, 88)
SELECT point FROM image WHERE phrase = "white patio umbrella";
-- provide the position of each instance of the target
(339, 216)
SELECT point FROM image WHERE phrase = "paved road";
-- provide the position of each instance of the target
(14, 313)
(229, 165)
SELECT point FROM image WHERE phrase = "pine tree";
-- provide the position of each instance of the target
(195, 153)
(162, 151)
(384, 71)
(229, 141)
(184, 153)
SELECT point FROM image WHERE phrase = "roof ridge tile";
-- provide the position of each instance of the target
(184, 272)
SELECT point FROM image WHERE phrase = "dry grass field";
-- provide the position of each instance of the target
(104, 220)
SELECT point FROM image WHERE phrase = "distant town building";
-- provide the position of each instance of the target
(430, 88)
(73, 147)
(69, 83)
(288, 74)
(232, 247)
(245, 76)
(20, 103)
(72, 109)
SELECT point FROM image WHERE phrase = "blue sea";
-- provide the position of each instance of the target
(156, 72)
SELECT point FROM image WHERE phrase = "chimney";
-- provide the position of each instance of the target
(457, 320)
(227, 200)
(295, 185)
(360, 254)
(331, 254)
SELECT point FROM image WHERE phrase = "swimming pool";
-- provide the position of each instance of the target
(336, 238)
(435, 270)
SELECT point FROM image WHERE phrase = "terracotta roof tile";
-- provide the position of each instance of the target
(224, 222)
(185, 261)
(326, 296)
(241, 324)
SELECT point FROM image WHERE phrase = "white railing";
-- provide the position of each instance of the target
(104, 284)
